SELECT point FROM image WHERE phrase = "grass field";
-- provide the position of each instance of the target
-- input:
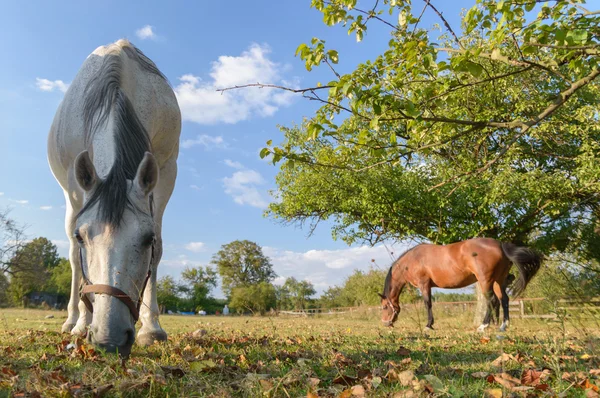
(345, 355)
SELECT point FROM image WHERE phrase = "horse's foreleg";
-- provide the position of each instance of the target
(77, 315)
(426, 292)
(149, 312)
(151, 329)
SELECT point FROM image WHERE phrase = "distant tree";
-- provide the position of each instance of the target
(256, 298)
(60, 278)
(167, 291)
(331, 298)
(12, 240)
(198, 283)
(453, 297)
(241, 264)
(31, 268)
(282, 294)
(299, 292)
(3, 290)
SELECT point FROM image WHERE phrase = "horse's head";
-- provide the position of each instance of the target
(115, 256)
(389, 310)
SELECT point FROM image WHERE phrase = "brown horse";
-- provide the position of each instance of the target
(483, 260)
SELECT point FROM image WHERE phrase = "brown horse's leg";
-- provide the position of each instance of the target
(486, 288)
(426, 292)
(500, 291)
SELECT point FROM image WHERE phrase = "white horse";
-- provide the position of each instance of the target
(115, 132)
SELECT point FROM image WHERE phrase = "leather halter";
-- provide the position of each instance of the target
(88, 287)
(395, 312)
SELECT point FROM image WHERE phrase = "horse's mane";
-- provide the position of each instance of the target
(103, 94)
(387, 286)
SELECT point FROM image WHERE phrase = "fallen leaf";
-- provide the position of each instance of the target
(403, 351)
(347, 380)
(494, 393)
(314, 382)
(99, 392)
(480, 375)
(436, 383)
(266, 384)
(173, 371)
(532, 377)
(358, 391)
(311, 395)
(484, 340)
(9, 372)
(502, 359)
(595, 372)
(405, 378)
(345, 394)
(200, 366)
(591, 393)
(376, 382)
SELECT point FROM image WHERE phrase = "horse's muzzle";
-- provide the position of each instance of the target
(122, 345)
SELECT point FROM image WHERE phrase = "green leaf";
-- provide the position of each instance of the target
(264, 152)
(474, 69)
(333, 56)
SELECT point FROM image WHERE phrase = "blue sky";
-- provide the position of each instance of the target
(222, 186)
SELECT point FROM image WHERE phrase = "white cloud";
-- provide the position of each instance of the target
(195, 187)
(207, 141)
(22, 201)
(61, 243)
(147, 32)
(242, 186)
(324, 268)
(45, 207)
(49, 85)
(1, 193)
(234, 164)
(201, 103)
(196, 247)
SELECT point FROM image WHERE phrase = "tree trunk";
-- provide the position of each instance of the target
(481, 306)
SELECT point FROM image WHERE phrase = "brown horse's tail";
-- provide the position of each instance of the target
(526, 260)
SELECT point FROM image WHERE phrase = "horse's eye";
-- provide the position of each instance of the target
(78, 237)
(385, 307)
(149, 239)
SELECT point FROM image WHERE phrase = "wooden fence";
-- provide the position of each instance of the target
(541, 308)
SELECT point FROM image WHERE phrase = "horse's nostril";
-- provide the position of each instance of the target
(130, 336)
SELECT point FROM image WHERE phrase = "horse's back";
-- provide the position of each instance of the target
(153, 101)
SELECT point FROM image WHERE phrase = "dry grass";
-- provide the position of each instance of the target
(291, 357)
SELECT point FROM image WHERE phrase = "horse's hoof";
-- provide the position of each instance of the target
(429, 329)
(67, 327)
(482, 328)
(79, 330)
(146, 339)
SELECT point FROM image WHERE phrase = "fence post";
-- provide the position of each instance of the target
(522, 305)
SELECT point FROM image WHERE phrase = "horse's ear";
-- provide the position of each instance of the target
(85, 172)
(147, 174)
(381, 295)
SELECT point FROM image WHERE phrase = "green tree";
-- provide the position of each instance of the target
(198, 283)
(32, 267)
(242, 263)
(490, 130)
(4, 285)
(60, 278)
(332, 298)
(12, 239)
(300, 292)
(167, 294)
(256, 298)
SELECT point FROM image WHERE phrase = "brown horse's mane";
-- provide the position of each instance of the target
(388, 279)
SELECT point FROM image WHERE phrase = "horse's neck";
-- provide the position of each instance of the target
(398, 282)
(103, 148)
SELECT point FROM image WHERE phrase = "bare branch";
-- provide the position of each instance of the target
(263, 85)
(446, 24)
